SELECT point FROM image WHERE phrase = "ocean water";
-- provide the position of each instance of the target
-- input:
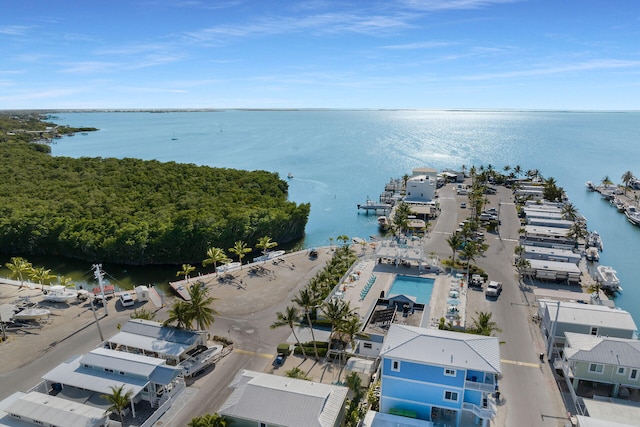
(340, 158)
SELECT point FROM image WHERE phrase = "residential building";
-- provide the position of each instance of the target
(266, 400)
(439, 376)
(559, 317)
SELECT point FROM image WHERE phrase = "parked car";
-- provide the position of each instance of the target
(463, 205)
(279, 360)
(493, 289)
(126, 299)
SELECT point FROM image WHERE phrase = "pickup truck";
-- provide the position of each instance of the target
(493, 289)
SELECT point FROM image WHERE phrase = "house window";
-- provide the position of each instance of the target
(594, 330)
(621, 370)
(367, 345)
(263, 425)
(450, 372)
(596, 368)
(451, 395)
(634, 374)
(395, 365)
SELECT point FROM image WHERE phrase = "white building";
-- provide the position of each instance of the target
(421, 188)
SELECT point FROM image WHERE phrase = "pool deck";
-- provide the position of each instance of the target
(365, 301)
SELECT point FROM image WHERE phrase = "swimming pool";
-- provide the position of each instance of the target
(418, 287)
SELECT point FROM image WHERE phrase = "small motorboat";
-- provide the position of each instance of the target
(59, 293)
(592, 254)
(32, 314)
(608, 278)
(290, 175)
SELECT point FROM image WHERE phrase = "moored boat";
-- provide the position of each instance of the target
(633, 214)
(590, 186)
(268, 256)
(594, 240)
(228, 267)
(592, 254)
(383, 223)
(608, 279)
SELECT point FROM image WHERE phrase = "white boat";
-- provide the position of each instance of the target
(592, 254)
(608, 278)
(383, 223)
(228, 267)
(268, 256)
(290, 175)
(59, 293)
(203, 358)
(590, 186)
(32, 314)
(619, 204)
(594, 240)
(359, 241)
(633, 214)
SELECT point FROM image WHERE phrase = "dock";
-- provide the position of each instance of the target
(370, 205)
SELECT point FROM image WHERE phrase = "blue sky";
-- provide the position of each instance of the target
(521, 54)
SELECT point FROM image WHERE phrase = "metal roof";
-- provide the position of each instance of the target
(121, 361)
(52, 410)
(284, 401)
(605, 350)
(590, 314)
(156, 330)
(442, 348)
(71, 373)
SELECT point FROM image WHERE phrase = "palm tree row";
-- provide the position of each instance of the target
(20, 268)
(311, 297)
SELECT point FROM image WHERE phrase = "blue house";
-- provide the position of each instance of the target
(439, 376)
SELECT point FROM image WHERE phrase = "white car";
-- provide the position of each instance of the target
(126, 299)
(493, 289)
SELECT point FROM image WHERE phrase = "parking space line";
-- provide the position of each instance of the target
(518, 363)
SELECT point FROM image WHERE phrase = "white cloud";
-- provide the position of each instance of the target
(14, 30)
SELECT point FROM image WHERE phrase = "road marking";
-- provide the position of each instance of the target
(518, 363)
(253, 353)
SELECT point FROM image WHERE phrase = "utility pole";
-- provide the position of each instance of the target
(99, 274)
(93, 308)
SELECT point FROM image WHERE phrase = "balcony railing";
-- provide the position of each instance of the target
(479, 411)
(476, 385)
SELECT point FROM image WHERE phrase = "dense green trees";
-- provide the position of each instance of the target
(131, 211)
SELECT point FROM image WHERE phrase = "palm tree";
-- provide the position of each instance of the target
(344, 239)
(141, 313)
(307, 300)
(569, 211)
(595, 288)
(627, 177)
(180, 314)
(289, 318)
(19, 266)
(336, 310)
(214, 256)
(606, 181)
(209, 420)
(187, 269)
(354, 383)
(119, 400)
(350, 327)
(577, 231)
(199, 306)
(41, 275)
(454, 241)
(67, 282)
(470, 251)
(265, 243)
(240, 248)
(483, 325)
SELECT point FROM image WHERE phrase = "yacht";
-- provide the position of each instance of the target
(590, 186)
(608, 278)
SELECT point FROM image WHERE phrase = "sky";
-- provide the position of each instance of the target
(423, 54)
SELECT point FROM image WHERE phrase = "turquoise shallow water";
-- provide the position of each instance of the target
(339, 158)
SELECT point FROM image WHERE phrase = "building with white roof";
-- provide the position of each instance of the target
(420, 188)
(153, 339)
(34, 408)
(261, 399)
(439, 376)
(559, 317)
(88, 377)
